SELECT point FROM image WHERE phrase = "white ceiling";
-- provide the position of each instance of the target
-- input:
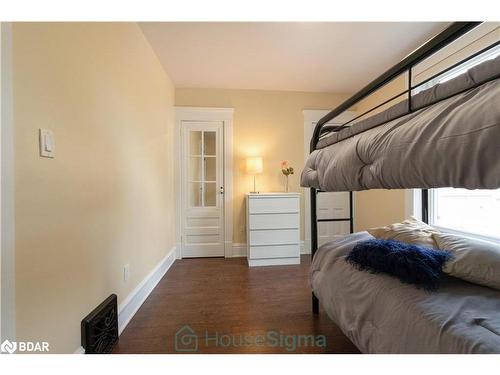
(296, 56)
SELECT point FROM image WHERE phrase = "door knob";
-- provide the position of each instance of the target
(222, 190)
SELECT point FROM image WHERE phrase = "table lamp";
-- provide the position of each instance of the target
(254, 167)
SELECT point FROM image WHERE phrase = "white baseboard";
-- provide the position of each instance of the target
(178, 250)
(128, 308)
(80, 350)
(131, 304)
(305, 247)
(239, 250)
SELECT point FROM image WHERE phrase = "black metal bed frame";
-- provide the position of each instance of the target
(447, 36)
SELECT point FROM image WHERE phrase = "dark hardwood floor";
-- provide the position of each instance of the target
(222, 306)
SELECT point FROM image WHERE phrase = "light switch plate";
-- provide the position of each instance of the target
(47, 144)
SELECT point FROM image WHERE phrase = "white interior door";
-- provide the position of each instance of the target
(203, 189)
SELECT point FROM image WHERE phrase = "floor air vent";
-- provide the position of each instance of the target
(100, 327)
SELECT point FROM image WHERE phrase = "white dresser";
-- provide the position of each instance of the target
(273, 229)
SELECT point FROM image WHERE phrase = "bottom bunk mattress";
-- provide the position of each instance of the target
(381, 315)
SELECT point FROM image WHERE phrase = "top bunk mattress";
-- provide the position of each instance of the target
(451, 143)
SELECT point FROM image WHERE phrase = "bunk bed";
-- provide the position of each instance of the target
(446, 135)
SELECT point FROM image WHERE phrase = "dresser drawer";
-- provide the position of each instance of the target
(274, 221)
(274, 237)
(277, 251)
(268, 205)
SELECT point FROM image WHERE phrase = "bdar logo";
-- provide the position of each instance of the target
(8, 347)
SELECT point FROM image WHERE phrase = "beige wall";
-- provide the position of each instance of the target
(268, 124)
(271, 124)
(107, 198)
(374, 208)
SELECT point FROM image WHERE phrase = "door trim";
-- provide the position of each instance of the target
(224, 115)
(313, 116)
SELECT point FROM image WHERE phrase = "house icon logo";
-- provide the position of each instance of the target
(8, 347)
(186, 340)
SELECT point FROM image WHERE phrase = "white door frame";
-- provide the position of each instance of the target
(224, 115)
(313, 116)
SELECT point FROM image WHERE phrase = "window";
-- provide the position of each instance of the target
(460, 69)
(471, 211)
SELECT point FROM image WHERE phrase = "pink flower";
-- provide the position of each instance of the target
(284, 164)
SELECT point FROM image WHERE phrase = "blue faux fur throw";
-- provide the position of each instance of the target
(411, 264)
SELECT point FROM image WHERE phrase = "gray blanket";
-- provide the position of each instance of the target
(452, 143)
(382, 315)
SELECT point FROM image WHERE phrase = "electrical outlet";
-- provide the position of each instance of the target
(126, 272)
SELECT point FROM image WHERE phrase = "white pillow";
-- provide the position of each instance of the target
(473, 260)
(412, 231)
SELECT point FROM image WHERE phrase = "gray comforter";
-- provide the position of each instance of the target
(382, 315)
(452, 143)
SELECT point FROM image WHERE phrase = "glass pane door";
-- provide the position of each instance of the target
(202, 168)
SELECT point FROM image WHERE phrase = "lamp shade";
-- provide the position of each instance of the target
(254, 165)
